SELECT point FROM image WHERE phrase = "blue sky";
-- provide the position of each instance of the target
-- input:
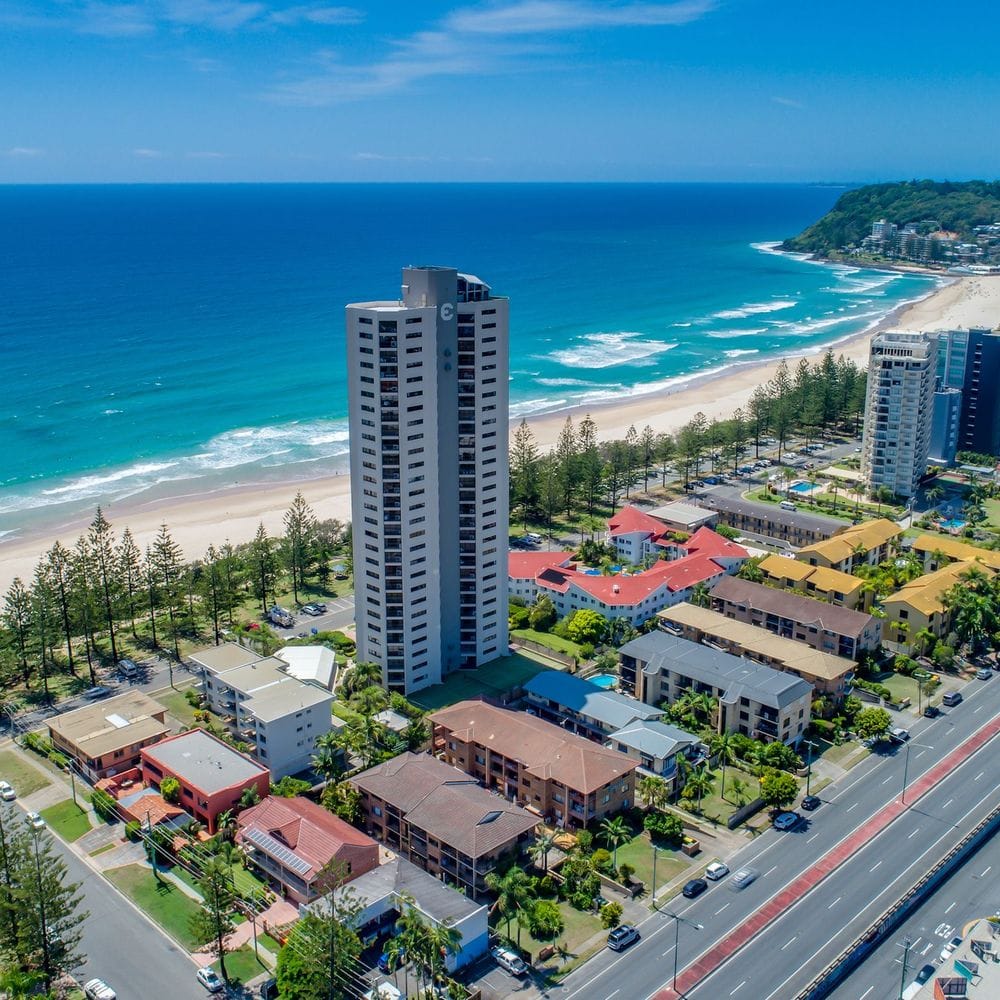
(717, 90)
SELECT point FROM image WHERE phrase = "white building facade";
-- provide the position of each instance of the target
(428, 402)
(898, 411)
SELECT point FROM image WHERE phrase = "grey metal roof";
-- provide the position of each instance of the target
(607, 707)
(771, 512)
(733, 675)
(399, 877)
(203, 761)
(658, 739)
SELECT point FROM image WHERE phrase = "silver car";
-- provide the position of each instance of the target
(743, 878)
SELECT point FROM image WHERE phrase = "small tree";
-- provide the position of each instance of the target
(587, 626)
(213, 921)
(778, 788)
(542, 614)
(872, 723)
(544, 920)
(170, 789)
(611, 915)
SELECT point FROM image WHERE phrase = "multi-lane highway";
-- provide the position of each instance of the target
(971, 892)
(760, 971)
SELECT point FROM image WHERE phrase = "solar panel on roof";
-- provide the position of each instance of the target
(278, 850)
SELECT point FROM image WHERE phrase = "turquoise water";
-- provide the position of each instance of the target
(173, 340)
(953, 524)
(800, 488)
(606, 681)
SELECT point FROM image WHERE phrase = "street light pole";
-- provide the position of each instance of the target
(809, 763)
(902, 978)
(678, 920)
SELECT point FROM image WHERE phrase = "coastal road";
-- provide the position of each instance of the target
(122, 946)
(971, 892)
(779, 858)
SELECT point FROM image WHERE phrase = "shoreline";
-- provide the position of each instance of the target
(233, 512)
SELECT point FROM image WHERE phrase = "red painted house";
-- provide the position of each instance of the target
(212, 775)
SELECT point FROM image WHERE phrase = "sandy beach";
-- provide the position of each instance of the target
(233, 514)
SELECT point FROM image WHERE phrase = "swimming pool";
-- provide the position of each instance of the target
(800, 487)
(952, 524)
(603, 680)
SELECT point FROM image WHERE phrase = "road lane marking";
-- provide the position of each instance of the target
(915, 756)
(738, 988)
(721, 908)
(874, 866)
(975, 710)
(610, 995)
(812, 838)
(986, 871)
(835, 902)
(890, 778)
(855, 806)
(927, 947)
(787, 943)
(950, 908)
(768, 872)
(978, 776)
(866, 992)
(948, 803)
(915, 832)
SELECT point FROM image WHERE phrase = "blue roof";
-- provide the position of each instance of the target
(607, 707)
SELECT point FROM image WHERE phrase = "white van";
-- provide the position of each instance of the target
(787, 505)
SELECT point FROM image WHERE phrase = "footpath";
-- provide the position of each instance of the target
(725, 949)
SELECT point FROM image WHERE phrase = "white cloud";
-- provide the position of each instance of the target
(788, 102)
(114, 20)
(533, 16)
(477, 41)
(147, 154)
(206, 154)
(221, 15)
(25, 151)
(316, 14)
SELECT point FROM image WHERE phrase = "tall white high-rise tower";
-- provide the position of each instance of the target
(428, 395)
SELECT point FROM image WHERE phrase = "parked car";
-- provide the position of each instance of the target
(7, 793)
(744, 877)
(312, 609)
(899, 733)
(100, 691)
(269, 990)
(128, 669)
(931, 712)
(786, 820)
(716, 870)
(621, 937)
(36, 821)
(952, 698)
(947, 950)
(984, 673)
(694, 888)
(98, 989)
(811, 802)
(509, 962)
(210, 979)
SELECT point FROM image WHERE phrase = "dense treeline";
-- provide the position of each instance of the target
(81, 602)
(958, 207)
(583, 477)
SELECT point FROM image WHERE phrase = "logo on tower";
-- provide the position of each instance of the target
(447, 311)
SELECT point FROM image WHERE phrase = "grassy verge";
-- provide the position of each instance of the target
(578, 928)
(553, 642)
(638, 853)
(164, 902)
(175, 703)
(23, 776)
(242, 965)
(104, 849)
(67, 819)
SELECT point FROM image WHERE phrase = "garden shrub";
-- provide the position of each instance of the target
(545, 921)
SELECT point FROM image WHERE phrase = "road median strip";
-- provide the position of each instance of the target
(725, 949)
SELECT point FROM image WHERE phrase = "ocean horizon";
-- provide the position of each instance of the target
(174, 340)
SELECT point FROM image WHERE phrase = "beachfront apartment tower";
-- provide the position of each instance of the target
(427, 397)
(969, 360)
(898, 411)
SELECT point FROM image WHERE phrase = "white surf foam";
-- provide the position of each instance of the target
(755, 309)
(605, 350)
(739, 354)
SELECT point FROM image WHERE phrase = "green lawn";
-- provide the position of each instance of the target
(67, 819)
(495, 679)
(345, 712)
(164, 902)
(24, 777)
(638, 853)
(245, 882)
(715, 807)
(268, 942)
(104, 849)
(242, 965)
(566, 646)
(176, 704)
(578, 928)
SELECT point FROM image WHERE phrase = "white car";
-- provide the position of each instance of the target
(36, 821)
(716, 870)
(947, 950)
(209, 978)
(6, 792)
(98, 989)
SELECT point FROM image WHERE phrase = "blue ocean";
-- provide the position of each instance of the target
(169, 340)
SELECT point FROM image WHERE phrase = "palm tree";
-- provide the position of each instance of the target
(700, 595)
(515, 890)
(700, 782)
(443, 939)
(921, 640)
(653, 790)
(614, 833)
(722, 748)
(539, 850)
(974, 607)
(327, 762)
(703, 706)
(740, 791)
(360, 676)
(226, 825)
(395, 956)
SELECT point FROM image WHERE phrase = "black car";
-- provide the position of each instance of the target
(924, 974)
(931, 712)
(694, 888)
(811, 802)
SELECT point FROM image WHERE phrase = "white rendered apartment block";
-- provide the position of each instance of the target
(277, 715)
(429, 476)
(898, 410)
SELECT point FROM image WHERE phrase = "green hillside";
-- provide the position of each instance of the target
(958, 207)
